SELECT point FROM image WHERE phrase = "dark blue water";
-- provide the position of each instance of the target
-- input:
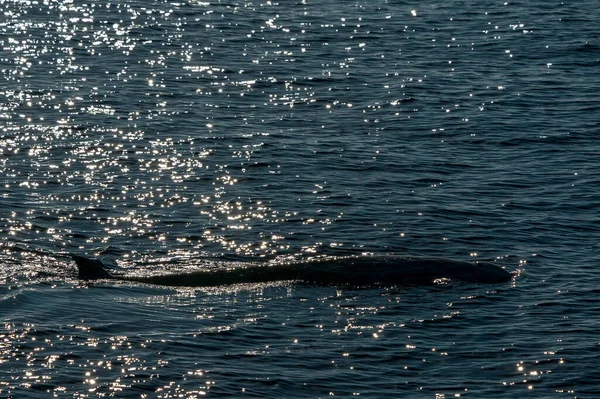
(175, 136)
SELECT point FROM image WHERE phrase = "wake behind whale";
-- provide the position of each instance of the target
(359, 271)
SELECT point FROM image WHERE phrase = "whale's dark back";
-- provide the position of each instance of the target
(350, 271)
(399, 270)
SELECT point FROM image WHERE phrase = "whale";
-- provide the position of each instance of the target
(356, 271)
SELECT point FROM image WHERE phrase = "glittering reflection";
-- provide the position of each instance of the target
(115, 188)
(110, 369)
(67, 358)
(170, 117)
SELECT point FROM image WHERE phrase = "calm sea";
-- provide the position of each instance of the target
(175, 136)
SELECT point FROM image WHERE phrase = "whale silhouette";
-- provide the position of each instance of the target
(359, 271)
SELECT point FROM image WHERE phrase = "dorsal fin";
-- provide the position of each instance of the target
(90, 269)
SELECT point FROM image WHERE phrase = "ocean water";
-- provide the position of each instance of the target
(167, 137)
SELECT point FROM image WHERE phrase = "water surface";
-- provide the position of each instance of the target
(177, 136)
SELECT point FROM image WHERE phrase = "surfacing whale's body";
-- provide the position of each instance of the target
(361, 271)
